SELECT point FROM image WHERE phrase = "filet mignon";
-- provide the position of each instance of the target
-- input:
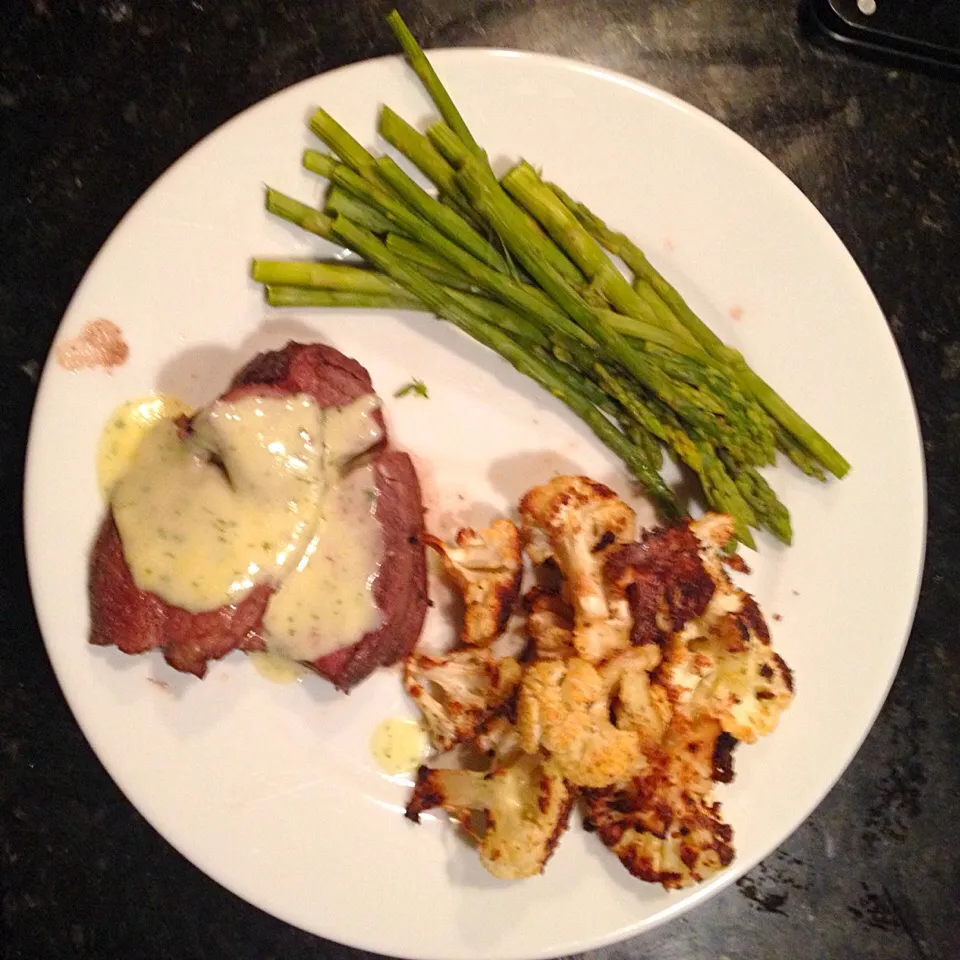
(136, 621)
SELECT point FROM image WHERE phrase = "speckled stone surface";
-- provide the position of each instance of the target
(98, 98)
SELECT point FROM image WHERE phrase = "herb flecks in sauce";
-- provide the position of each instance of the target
(399, 745)
(261, 489)
(125, 430)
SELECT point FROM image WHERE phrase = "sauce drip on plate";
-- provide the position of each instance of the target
(399, 745)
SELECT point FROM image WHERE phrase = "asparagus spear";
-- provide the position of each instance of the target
(353, 154)
(317, 284)
(527, 299)
(424, 156)
(802, 431)
(453, 120)
(279, 295)
(446, 141)
(523, 184)
(300, 214)
(447, 221)
(621, 246)
(771, 513)
(443, 306)
(287, 296)
(790, 448)
(333, 276)
(431, 82)
(339, 201)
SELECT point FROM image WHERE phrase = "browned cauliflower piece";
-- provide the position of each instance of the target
(749, 685)
(717, 682)
(714, 531)
(459, 692)
(638, 704)
(714, 641)
(486, 565)
(549, 625)
(663, 580)
(576, 521)
(564, 707)
(499, 740)
(663, 825)
(721, 660)
(524, 808)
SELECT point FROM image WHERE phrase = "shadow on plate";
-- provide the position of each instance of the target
(199, 374)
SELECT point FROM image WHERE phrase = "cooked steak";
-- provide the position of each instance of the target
(136, 621)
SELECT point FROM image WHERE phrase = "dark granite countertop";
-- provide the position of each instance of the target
(98, 97)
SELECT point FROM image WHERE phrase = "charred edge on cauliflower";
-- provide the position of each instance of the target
(460, 692)
(523, 810)
(754, 619)
(785, 672)
(487, 567)
(549, 624)
(426, 795)
(723, 758)
(664, 581)
(563, 821)
(661, 831)
(576, 522)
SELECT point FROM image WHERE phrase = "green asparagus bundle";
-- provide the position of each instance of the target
(525, 269)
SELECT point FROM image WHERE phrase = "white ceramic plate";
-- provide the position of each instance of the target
(271, 789)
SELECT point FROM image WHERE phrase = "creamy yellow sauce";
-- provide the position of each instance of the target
(339, 567)
(399, 745)
(276, 669)
(262, 489)
(124, 431)
(348, 431)
(203, 520)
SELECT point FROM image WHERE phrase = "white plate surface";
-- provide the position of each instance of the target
(271, 789)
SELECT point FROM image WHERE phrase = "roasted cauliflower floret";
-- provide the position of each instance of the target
(500, 741)
(638, 704)
(458, 693)
(549, 625)
(523, 810)
(575, 521)
(749, 685)
(715, 643)
(662, 579)
(709, 680)
(663, 825)
(714, 531)
(564, 707)
(722, 660)
(486, 565)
